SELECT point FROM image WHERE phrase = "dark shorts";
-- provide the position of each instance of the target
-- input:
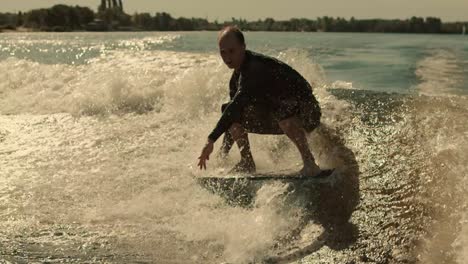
(263, 118)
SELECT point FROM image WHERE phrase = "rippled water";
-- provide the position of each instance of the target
(99, 136)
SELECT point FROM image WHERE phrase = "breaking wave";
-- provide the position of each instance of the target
(104, 152)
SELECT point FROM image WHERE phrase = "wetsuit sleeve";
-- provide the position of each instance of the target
(234, 109)
(233, 85)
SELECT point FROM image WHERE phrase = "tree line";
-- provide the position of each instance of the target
(72, 18)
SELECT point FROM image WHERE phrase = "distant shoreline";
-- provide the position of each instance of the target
(29, 30)
(63, 18)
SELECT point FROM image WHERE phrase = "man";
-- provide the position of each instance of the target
(267, 97)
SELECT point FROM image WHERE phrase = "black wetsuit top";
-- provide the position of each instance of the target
(261, 80)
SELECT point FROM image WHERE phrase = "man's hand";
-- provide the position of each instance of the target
(205, 155)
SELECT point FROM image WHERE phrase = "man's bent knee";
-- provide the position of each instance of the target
(290, 124)
(236, 130)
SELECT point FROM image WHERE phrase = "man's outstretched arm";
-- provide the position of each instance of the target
(233, 112)
(230, 115)
(205, 155)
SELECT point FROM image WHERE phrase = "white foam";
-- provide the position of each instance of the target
(129, 175)
(342, 85)
(441, 74)
(443, 123)
(118, 82)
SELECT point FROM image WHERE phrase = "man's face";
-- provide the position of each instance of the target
(231, 50)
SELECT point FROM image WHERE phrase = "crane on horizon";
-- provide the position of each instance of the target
(111, 4)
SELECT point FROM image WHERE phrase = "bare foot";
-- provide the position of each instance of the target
(244, 166)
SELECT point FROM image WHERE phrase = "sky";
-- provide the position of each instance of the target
(447, 10)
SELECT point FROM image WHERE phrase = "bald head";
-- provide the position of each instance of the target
(231, 32)
(232, 47)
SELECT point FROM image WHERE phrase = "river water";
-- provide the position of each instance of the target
(100, 134)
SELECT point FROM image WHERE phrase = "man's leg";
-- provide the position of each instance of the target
(226, 146)
(228, 141)
(239, 134)
(294, 130)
